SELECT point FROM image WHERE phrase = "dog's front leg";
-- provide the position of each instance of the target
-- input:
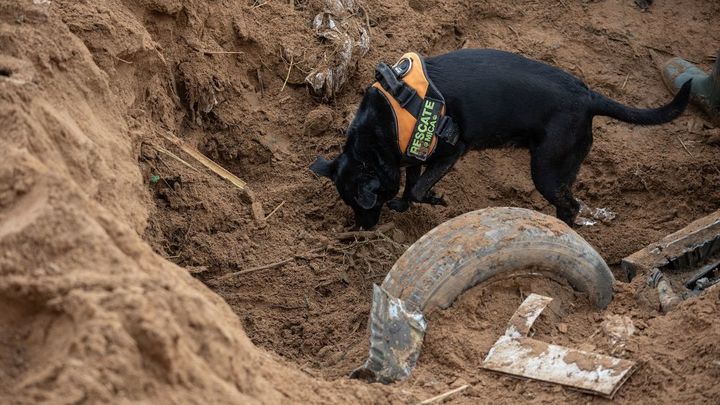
(422, 191)
(412, 174)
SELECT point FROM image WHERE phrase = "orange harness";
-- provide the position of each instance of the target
(418, 107)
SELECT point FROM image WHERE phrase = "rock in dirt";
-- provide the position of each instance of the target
(318, 121)
(398, 235)
(459, 382)
(714, 137)
(258, 213)
(643, 4)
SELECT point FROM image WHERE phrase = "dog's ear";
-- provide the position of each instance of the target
(323, 167)
(367, 194)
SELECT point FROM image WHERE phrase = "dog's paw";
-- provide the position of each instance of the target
(398, 204)
(433, 199)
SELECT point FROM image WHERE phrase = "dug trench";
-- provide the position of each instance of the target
(313, 309)
(306, 300)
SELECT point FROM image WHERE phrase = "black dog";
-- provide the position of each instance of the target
(497, 99)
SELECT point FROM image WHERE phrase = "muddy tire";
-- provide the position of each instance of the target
(495, 242)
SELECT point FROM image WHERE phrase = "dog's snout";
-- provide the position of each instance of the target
(367, 219)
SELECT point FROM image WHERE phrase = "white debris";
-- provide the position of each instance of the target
(518, 355)
(590, 216)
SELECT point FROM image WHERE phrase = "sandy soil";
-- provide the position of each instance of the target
(111, 250)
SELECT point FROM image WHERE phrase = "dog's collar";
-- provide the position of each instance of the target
(418, 107)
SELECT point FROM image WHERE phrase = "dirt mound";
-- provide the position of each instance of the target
(90, 313)
(107, 240)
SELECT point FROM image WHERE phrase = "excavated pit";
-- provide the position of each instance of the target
(93, 88)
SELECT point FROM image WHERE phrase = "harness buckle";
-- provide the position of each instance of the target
(405, 95)
(447, 130)
(387, 79)
(402, 67)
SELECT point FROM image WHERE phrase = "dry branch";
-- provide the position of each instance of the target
(205, 51)
(273, 211)
(267, 266)
(176, 157)
(684, 147)
(207, 162)
(288, 74)
(445, 395)
(364, 234)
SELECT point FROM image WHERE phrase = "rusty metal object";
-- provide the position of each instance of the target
(682, 250)
(459, 254)
(518, 355)
(396, 339)
(707, 276)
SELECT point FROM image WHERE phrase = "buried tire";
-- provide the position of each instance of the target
(458, 255)
(479, 245)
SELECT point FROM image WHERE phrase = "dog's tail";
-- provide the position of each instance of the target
(602, 105)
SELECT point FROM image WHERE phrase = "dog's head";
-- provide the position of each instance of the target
(359, 186)
(367, 173)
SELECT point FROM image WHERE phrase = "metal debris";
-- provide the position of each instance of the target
(618, 328)
(396, 340)
(516, 354)
(707, 276)
(680, 251)
(459, 254)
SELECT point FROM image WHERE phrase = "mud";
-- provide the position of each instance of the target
(109, 248)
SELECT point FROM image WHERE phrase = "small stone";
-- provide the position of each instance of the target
(562, 327)
(398, 235)
(258, 213)
(714, 138)
(619, 327)
(241, 29)
(318, 121)
(323, 352)
(587, 347)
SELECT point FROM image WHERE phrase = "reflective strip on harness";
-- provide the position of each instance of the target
(422, 137)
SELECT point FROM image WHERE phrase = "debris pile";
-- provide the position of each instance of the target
(516, 354)
(346, 40)
(464, 252)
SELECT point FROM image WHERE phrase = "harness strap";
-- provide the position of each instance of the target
(405, 95)
(447, 130)
(390, 79)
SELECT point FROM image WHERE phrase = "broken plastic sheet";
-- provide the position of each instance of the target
(347, 39)
(590, 216)
(516, 354)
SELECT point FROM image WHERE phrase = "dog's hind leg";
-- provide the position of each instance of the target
(554, 167)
